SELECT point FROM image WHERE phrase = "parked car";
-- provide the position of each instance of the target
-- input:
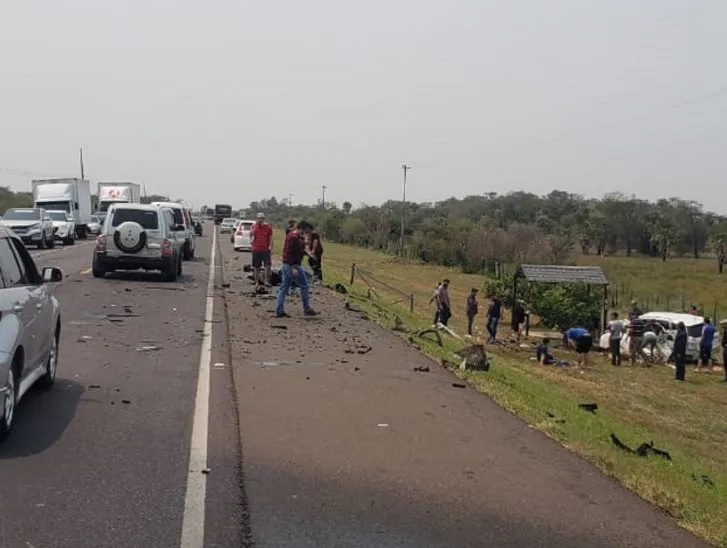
(242, 241)
(64, 227)
(668, 322)
(234, 230)
(139, 236)
(227, 225)
(30, 326)
(182, 227)
(94, 226)
(197, 223)
(32, 225)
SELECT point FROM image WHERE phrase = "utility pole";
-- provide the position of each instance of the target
(323, 196)
(83, 177)
(290, 199)
(403, 208)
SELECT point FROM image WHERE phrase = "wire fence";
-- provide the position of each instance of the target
(401, 297)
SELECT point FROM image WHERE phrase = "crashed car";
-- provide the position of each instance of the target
(667, 322)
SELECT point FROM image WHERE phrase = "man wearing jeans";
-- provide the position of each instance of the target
(261, 235)
(293, 253)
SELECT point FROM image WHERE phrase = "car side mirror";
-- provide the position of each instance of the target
(52, 274)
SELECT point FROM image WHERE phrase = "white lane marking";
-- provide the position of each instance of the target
(194, 500)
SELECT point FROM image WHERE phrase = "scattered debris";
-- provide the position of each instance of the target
(247, 268)
(206, 471)
(422, 368)
(279, 326)
(363, 349)
(432, 331)
(399, 325)
(148, 348)
(459, 385)
(474, 357)
(94, 386)
(347, 306)
(339, 288)
(125, 315)
(706, 481)
(644, 450)
(554, 418)
(590, 407)
(355, 368)
(382, 424)
(226, 284)
(84, 338)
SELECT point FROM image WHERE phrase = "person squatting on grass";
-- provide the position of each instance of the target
(472, 309)
(261, 236)
(494, 312)
(542, 352)
(291, 270)
(616, 331)
(680, 351)
(580, 339)
(444, 310)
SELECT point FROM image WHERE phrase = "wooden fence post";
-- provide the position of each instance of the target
(411, 303)
(353, 273)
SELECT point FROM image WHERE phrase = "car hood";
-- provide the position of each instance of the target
(14, 224)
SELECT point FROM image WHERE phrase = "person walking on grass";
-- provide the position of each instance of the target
(261, 236)
(616, 331)
(293, 253)
(444, 309)
(705, 345)
(518, 318)
(315, 248)
(493, 317)
(433, 299)
(580, 339)
(636, 339)
(680, 352)
(472, 309)
(724, 348)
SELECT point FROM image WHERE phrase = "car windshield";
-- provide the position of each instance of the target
(58, 215)
(22, 215)
(695, 330)
(95, 219)
(147, 219)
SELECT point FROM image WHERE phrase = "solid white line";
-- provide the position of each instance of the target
(194, 500)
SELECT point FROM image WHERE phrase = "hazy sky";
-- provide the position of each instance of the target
(232, 101)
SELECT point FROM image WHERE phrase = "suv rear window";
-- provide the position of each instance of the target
(149, 220)
(695, 330)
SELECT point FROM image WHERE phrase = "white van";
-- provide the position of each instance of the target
(242, 241)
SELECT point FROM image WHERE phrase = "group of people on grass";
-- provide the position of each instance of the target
(301, 240)
(443, 312)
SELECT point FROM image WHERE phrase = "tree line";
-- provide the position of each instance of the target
(519, 227)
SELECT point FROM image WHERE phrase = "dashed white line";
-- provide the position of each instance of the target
(194, 500)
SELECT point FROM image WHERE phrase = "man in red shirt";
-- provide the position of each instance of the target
(261, 236)
(292, 269)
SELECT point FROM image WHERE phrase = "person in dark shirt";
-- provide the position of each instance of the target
(291, 226)
(680, 351)
(472, 309)
(315, 247)
(724, 348)
(542, 352)
(636, 339)
(493, 317)
(518, 318)
(291, 270)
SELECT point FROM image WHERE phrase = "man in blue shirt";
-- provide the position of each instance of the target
(582, 341)
(705, 344)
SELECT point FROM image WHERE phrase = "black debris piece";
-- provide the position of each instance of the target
(644, 450)
(590, 407)
(339, 288)
(422, 368)
(226, 284)
(127, 402)
(459, 385)
(621, 445)
(475, 357)
(279, 326)
(705, 480)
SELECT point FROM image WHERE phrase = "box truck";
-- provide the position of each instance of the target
(115, 193)
(70, 195)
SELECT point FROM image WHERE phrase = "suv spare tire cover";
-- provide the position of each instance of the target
(130, 237)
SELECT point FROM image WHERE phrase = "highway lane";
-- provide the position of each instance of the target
(102, 459)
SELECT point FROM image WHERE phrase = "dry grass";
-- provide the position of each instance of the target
(638, 404)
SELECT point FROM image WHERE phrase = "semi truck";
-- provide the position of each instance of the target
(70, 195)
(222, 211)
(117, 193)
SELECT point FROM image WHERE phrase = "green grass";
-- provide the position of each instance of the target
(637, 404)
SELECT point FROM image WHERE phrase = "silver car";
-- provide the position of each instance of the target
(30, 326)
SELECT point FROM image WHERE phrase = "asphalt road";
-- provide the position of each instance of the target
(345, 444)
(102, 459)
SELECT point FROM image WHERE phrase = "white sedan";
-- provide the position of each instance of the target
(242, 240)
(227, 225)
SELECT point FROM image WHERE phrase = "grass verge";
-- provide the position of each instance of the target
(637, 404)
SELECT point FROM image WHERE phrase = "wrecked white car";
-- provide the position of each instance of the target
(668, 322)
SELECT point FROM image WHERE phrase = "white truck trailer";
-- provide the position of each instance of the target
(70, 195)
(117, 193)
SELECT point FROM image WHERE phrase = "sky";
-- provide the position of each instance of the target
(230, 101)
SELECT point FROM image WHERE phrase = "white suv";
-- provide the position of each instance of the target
(184, 229)
(139, 236)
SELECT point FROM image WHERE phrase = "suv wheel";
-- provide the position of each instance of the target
(186, 252)
(41, 242)
(169, 274)
(10, 400)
